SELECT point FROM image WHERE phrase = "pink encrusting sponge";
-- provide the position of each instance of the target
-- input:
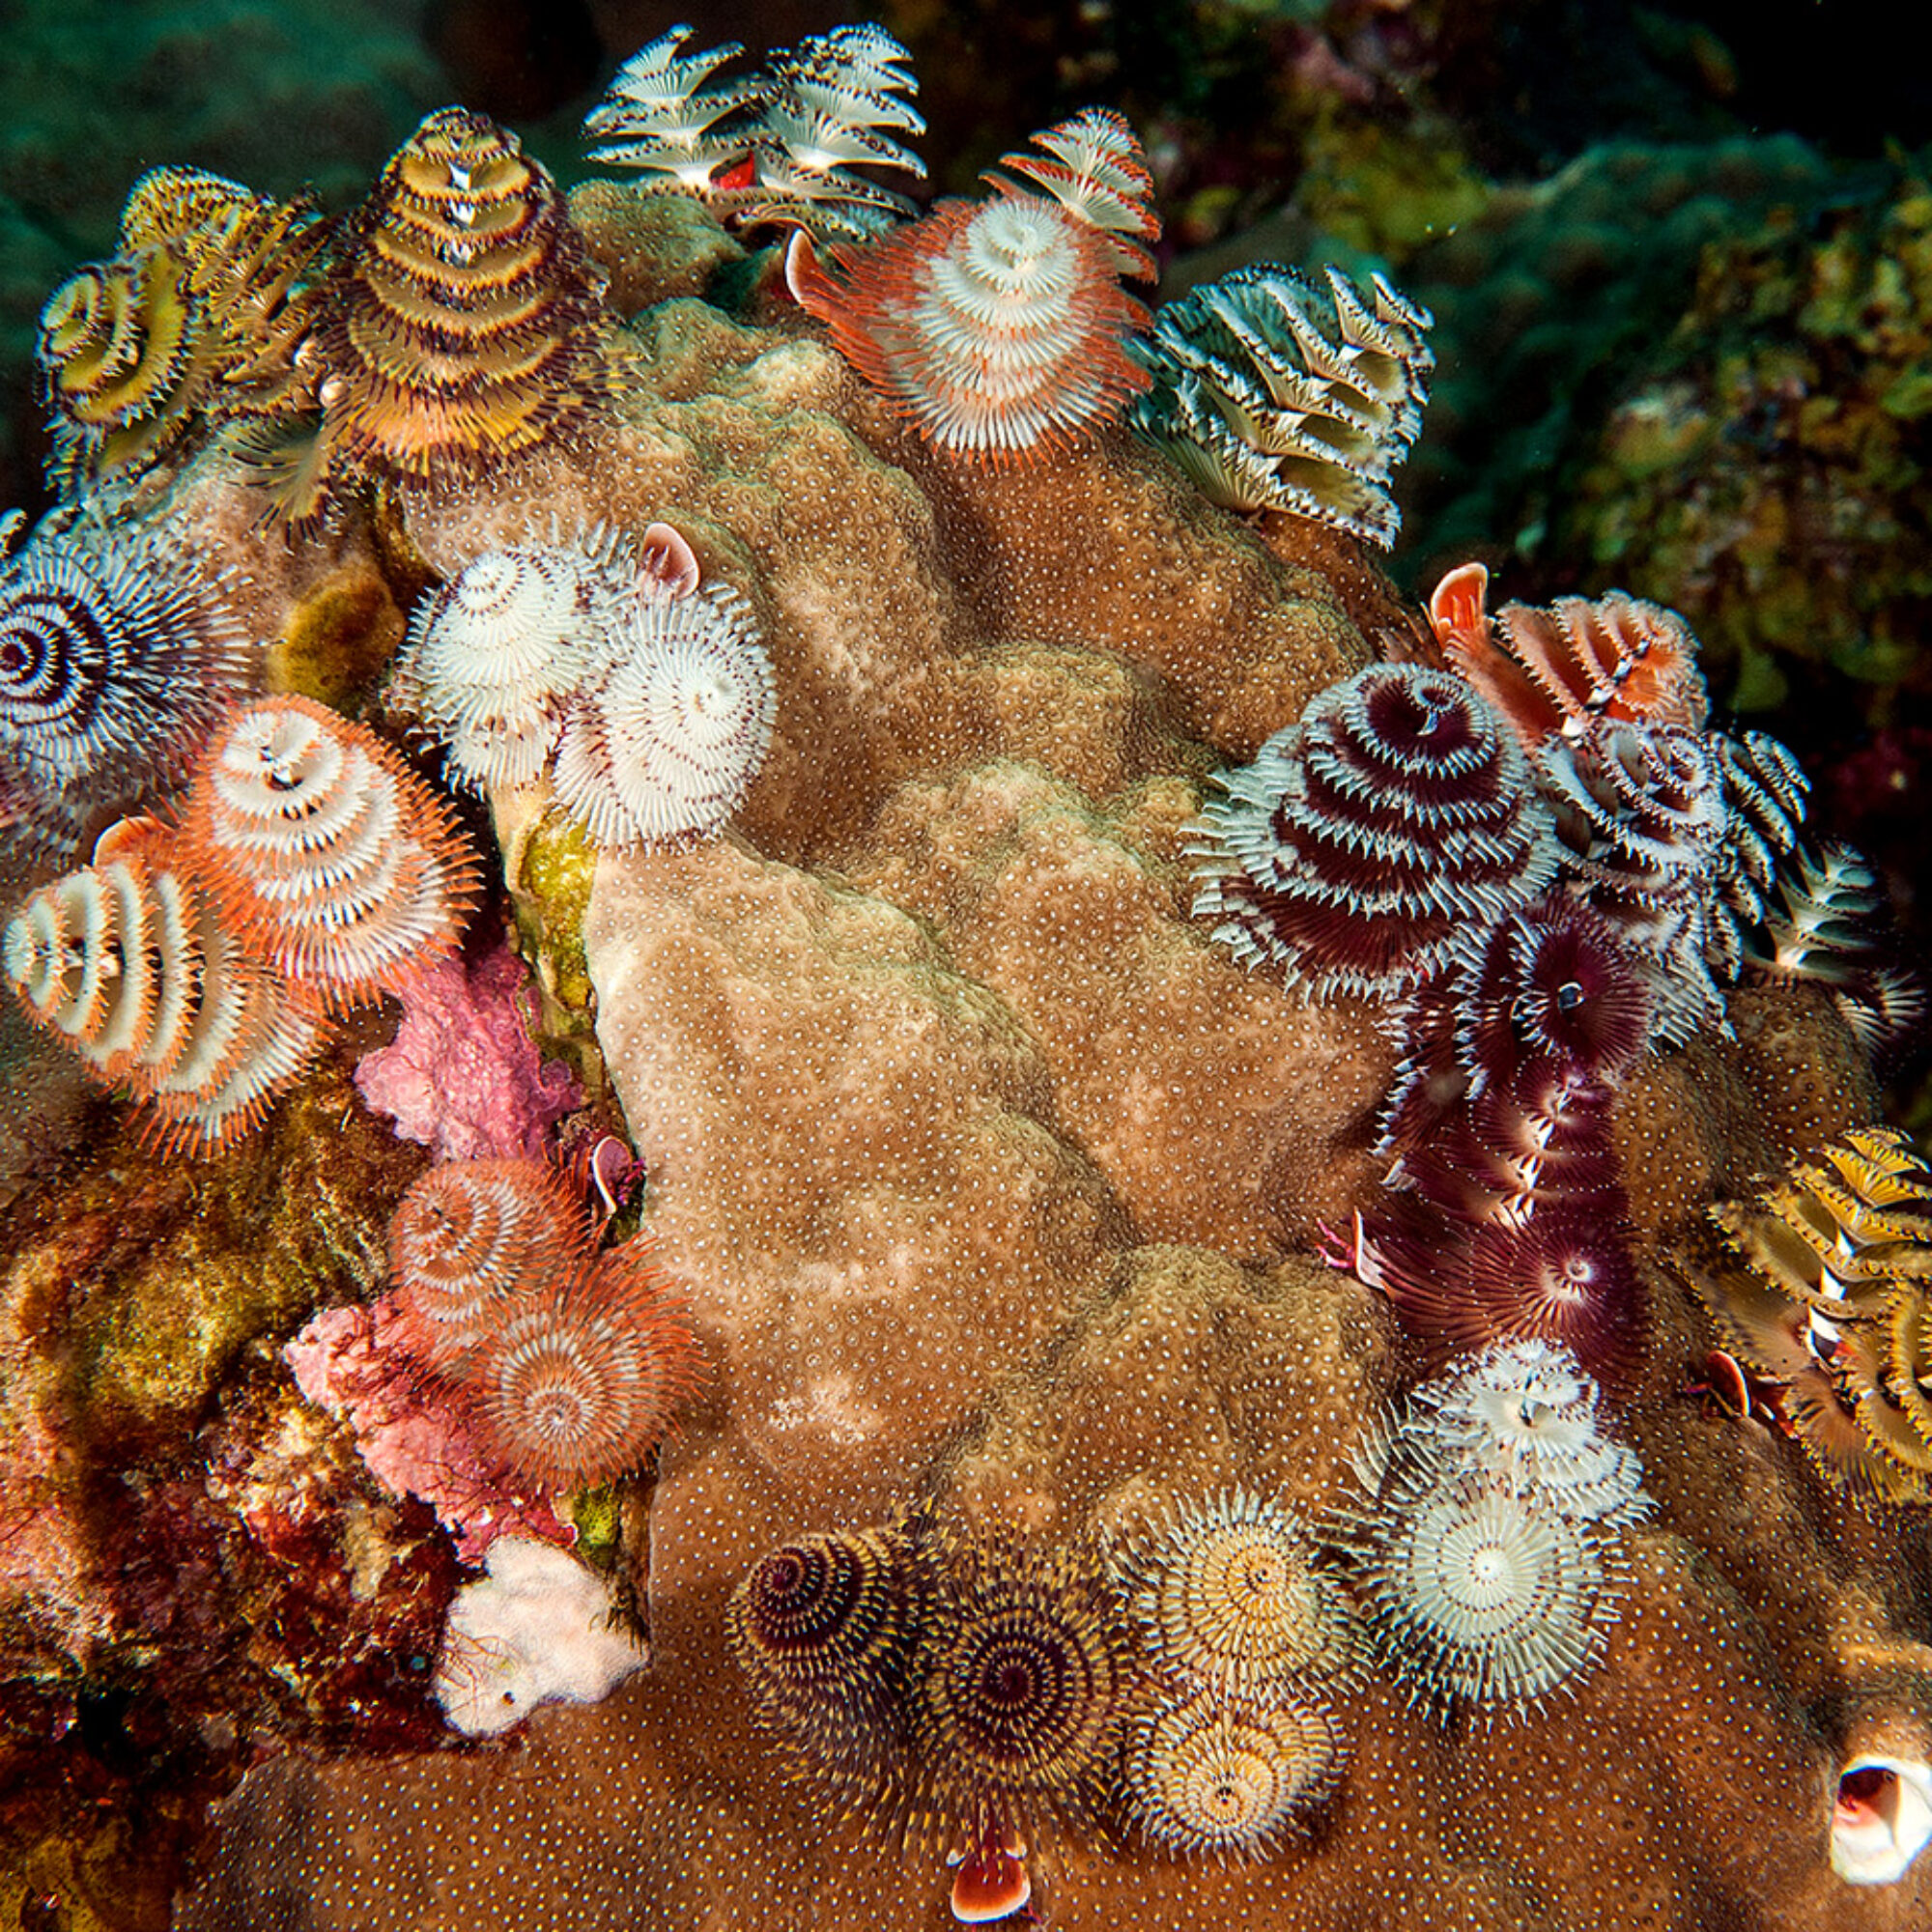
(999, 329)
(332, 859)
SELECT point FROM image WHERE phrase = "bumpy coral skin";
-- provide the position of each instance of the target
(990, 1181)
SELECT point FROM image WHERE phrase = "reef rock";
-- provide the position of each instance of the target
(1026, 1232)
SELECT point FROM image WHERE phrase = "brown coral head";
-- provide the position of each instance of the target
(1016, 1706)
(581, 1381)
(470, 1237)
(1361, 839)
(1209, 1777)
(829, 1618)
(1229, 1596)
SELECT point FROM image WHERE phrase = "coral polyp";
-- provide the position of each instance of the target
(330, 853)
(1208, 1778)
(1230, 1595)
(1356, 848)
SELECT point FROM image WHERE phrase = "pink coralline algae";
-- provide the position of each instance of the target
(414, 1441)
(462, 1075)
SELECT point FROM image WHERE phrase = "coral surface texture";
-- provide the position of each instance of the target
(847, 1172)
